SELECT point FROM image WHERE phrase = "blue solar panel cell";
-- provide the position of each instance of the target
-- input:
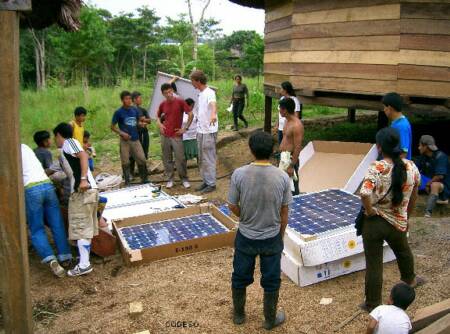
(324, 211)
(170, 231)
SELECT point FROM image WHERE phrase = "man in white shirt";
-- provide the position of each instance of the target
(83, 202)
(207, 128)
(42, 205)
(392, 318)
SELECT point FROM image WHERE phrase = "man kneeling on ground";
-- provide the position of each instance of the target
(260, 195)
(83, 201)
(434, 168)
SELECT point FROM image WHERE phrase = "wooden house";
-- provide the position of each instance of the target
(348, 53)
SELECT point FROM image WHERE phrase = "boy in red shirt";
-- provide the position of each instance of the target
(170, 120)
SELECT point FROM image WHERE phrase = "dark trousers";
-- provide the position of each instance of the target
(144, 139)
(296, 187)
(375, 231)
(245, 252)
(238, 111)
(280, 136)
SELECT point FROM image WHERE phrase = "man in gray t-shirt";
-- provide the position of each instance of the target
(260, 195)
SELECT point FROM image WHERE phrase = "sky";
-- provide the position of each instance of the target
(231, 16)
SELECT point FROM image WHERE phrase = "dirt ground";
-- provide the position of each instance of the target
(195, 289)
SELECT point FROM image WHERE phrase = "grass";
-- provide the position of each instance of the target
(45, 109)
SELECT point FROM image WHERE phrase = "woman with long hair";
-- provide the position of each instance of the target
(388, 194)
(287, 90)
(240, 94)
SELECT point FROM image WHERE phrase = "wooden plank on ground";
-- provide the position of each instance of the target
(426, 315)
(425, 26)
(437, 89)
(357, 28)
(435, 11)
(441, 326)
(14, 272)
(425, 42)
(362, 71)
(357, 43)
(278, 10)
(367, 13)
(282, 23)
(345, 85)
(428, 73)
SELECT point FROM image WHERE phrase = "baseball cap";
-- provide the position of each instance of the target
(428, 141)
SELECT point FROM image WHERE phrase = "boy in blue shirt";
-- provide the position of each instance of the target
(127, 117)
(393, 110)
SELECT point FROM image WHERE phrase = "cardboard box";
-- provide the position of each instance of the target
(342, 244)
(137, 201)
(135, 257)
(334, 165)
(303, 275)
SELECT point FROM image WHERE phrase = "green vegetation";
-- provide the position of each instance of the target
(44, 109)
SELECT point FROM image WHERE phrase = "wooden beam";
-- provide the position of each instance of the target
(351, 115)
(427, 315)
(14, 273)
(268, 113)
(441, 326)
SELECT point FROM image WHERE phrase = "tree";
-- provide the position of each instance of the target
(195, 26)
(39, 51)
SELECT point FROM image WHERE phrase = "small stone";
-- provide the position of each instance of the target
(136, 308)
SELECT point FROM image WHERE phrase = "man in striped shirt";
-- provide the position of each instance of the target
(83, 201)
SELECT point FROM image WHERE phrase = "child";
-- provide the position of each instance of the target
(77, 123)
(392, 318)
(43, 142)
(83, 202)
(87, 146)
(190, 136)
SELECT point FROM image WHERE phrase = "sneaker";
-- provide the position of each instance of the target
(186, 184)
(77, 271)
(418, 281)
(169, 184)
(365, 307)
(57, 269)
(208, 189)
(427, 214)
(201, 187)
(442, 201)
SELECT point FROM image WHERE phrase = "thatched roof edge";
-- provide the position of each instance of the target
(259, 4)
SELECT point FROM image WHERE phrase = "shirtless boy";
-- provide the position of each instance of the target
(292, 139)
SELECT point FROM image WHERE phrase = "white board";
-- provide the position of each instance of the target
(184, 88)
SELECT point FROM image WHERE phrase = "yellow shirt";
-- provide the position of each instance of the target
(78, 132)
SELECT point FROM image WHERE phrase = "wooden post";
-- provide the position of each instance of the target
(14, 271)
(351, 115)
(268, 113)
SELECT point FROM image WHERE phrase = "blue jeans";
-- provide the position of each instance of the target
(42, 205)
(246, 250)
(91, 164)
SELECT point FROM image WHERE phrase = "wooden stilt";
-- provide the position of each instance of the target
(268, 113)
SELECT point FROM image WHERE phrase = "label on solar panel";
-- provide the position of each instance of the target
(133, 195)
(319, 214)
(170, 231)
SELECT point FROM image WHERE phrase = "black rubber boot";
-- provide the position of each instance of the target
(143, 173)
(126, 174)
(238, 306)
(273, 318)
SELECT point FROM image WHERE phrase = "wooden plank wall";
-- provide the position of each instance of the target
(359, 46)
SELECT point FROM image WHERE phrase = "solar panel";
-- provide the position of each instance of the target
(170, 231)
(322, 212)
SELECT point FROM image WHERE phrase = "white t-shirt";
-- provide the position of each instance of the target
(32, 170)
(391, 320)
(204, 112)
(281, 119)
(192, 132)
(71, 147)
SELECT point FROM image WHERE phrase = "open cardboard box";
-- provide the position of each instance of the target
(334, 165)
(140, 256)
(303, 275)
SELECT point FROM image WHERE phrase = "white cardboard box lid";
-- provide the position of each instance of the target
(333, 164)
